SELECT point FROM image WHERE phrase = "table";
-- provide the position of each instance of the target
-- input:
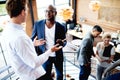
(76, 34)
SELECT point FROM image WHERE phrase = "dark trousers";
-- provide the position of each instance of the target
(58, 63)
(84, 72)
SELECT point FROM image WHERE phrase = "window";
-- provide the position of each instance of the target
(2, 1)
(2, 7)
(60, 2)
(2, 10)
(3, 15)
(3, 19)
(42, 4)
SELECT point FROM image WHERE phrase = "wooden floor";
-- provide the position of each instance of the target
(71, 71)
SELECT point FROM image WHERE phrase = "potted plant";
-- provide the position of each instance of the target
(1, 29)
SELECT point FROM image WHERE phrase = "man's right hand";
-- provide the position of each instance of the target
(60, 42)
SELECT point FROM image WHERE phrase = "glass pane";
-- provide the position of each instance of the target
(2, 9)
(2, 0)
(41, 5)
(58, 2)
(41, 13)
(4, 18)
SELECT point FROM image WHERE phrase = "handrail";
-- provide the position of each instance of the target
(4, 69)
(8, 75)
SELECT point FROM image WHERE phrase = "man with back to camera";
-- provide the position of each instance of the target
(23, 59)
(86, 51)
(51, 32)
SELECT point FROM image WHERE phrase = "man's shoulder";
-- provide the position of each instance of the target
(39, 21)
(58, 23)
(60, 26)
(86, 38)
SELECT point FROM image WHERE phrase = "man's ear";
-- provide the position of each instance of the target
(23, 12)
(55, 12)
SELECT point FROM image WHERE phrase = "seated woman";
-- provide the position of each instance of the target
(105, 53)
(115, 76)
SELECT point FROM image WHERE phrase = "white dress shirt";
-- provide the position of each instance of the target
(22, 54)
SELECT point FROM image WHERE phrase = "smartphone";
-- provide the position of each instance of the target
(61, 42)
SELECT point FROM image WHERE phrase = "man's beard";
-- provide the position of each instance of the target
(51, 19)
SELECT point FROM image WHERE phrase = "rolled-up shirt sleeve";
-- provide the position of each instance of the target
(113, 51)
(25, 58)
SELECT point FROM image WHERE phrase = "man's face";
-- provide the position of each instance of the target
(50, 13)
(96, 33)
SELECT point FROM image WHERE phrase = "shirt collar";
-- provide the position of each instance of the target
(17, 26)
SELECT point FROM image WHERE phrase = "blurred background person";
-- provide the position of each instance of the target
(105, 54)
(86, 51)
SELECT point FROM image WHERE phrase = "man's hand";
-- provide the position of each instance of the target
(56, 48)
(60, 41)
(108, 61)
(38, 42)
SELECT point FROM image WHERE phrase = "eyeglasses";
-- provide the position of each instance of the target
(50, 11)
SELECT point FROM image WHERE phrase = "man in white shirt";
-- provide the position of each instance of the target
(21, 50)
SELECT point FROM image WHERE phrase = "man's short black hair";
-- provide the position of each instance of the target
(98, 28)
